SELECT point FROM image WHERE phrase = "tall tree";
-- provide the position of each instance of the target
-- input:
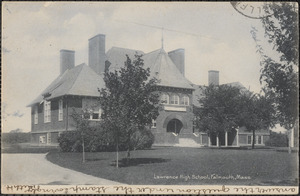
(219, 111)
(256, 112)
(281, 77)
(128, 101)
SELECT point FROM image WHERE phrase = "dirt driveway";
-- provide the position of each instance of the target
(34, 169)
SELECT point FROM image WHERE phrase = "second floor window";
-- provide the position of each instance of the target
(36, 115)
(60, 110)
(174, 100)
(185, 100)
(47, 111)
(165, 98)
(93, 115)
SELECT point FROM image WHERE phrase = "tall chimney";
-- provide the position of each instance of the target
(213, 77)
(97, 53)
(177, 56)
(67, 60)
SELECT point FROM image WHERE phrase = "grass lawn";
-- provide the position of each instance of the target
(189, 166)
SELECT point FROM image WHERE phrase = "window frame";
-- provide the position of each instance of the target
(165, 97)
(36, 115)
(47, 111)
(60, 110)
(185, 100)
(153, 124)
(176, 99)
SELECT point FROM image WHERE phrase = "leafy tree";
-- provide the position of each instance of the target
(82, 126)
(281, 78)
(219, 111)
(256, 112)
(277, 139)
(128, 102)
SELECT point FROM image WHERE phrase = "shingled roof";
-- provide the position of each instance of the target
(80, 80)
(117, 56)
(163, 68)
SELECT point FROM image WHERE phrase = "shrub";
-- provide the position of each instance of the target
(277, 140)
(142, 139)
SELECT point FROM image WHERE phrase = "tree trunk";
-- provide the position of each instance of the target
(83, 153)
(117, 149)
(253, 139)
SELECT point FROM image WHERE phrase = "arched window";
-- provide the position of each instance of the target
(165, 98)
(174, 100)
(185, 100)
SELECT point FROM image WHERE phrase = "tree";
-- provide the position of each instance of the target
(82, 126)
(256, 112)
(219, 111)
(128, 101)
(281, 78)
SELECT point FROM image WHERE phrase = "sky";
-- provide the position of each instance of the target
(214, 35)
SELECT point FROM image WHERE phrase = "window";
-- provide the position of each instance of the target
(249, 139)
(174, 100)
(48, 138)
(165, 99)
(36, 115)
(259, 139)
(47, 111)
(153, 124)
(60, 110)
(93, 115)
(185, 100)
(42, 139)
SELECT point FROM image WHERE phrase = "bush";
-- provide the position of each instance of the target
(15, 137)
(277, 140)
(96, 140)
(142, 139)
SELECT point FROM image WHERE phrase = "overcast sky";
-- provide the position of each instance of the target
(214, 36)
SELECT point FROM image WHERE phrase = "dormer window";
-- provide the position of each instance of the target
(174, 100)
(165, 98)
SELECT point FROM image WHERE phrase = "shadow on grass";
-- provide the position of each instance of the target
(94, 159)
(139, 161)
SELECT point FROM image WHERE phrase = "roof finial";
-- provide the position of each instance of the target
(162, 38)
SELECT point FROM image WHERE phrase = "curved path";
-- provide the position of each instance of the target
(34, 169)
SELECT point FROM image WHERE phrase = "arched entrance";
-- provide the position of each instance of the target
(174, 126)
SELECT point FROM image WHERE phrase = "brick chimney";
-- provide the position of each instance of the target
(67, 60)
(213, 77)
(97, 53)
(177, 56)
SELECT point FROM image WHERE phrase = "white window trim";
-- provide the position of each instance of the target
(256, 139)
(36, 115)
(42, 139)
(94, 112)
(48, 138)
(177, 99)
(153, 125)
(185, 99)
(60, 110)
(47, 111)
(165, 97)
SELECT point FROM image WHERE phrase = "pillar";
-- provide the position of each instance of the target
(237, 137)
(218, 140)
(226, 138)
(209, 144)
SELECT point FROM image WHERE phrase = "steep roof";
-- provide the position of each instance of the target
(80, 80)
(117, 56)
(163, 68)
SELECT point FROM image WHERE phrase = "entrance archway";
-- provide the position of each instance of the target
(174, 126)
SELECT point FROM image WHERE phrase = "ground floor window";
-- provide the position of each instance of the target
(48, 138)
(258, 139)
(42, 139)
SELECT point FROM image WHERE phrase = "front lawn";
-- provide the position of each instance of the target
(188, 166)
